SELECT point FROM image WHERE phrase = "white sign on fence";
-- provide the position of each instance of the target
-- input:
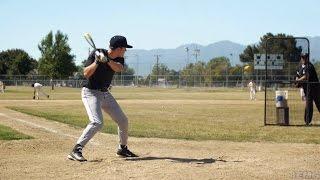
(275, 61)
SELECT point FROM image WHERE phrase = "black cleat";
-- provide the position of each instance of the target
(76, 154)
(125, 152)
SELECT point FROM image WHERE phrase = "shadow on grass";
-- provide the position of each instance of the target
(181, 160)
(294, 125)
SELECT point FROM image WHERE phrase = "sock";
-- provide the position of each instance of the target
(122, 146)
(77, 147)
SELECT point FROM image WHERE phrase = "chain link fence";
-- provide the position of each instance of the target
(167, 81)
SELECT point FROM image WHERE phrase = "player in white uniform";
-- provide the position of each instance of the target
(1, 87)
(38, 89)
(252, 89)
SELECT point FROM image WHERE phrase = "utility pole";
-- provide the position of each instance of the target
(137, 68)
(121, 72)
(196, 53)
(187, 50)
(227, 70)
(242, 72)
(187, 63)
(157, 64)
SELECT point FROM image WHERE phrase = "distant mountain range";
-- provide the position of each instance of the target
(143, 60)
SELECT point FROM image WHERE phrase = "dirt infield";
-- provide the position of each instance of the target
(45, 156)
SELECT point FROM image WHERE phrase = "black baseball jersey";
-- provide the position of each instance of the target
(103, 75)
(310, 72)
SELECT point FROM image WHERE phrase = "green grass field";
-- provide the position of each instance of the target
(196, 114)
(26, 93)
(6, 133)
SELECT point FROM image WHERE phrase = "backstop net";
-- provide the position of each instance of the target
(284, 102)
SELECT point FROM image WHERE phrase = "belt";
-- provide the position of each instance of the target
(104, 89)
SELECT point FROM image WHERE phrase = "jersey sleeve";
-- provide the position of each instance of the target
(90, 59)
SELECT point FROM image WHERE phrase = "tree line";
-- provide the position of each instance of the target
(57, 61)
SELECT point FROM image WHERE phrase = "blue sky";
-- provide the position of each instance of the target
(150, 24)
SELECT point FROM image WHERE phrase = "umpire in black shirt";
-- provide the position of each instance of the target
(307, 77)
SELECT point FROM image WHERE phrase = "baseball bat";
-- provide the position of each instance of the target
(90, 41)
(101, 56)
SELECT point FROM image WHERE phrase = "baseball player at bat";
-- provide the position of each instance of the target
(99, 70)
